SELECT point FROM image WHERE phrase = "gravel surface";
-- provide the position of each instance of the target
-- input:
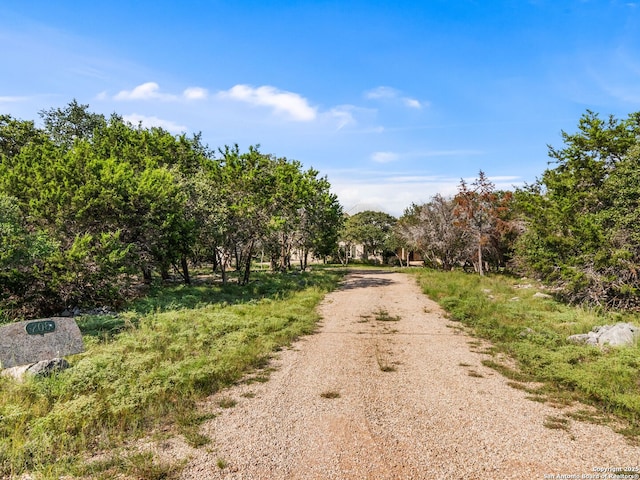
(413, 402)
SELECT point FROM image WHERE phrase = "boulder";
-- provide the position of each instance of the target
(620, 334)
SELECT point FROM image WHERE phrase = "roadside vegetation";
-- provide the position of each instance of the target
(528, 342)
(91, 207)
(95, 211)
(145, 369)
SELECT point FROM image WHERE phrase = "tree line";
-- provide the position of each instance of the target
(90, 204)
(577, 227)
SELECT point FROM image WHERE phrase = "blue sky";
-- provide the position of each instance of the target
(392, 101)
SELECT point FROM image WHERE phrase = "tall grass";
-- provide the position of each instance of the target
(150, 365)
(533, 331)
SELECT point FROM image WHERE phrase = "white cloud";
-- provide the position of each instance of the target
(412, 103)
(145, 91)
(290, 104)
(151, 91)
(392, 94)
(195, 93)
(384, 157)
(148, 122)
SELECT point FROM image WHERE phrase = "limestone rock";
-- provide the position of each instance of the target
(45, 368)
(617, 335)
(541, 295)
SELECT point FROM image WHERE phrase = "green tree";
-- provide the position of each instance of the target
(320, 220)
(73, 122)
(371, 229)
(15, 134)
(580, 214)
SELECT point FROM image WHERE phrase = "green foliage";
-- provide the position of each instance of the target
(533, 332)
(23, 255)
(582, 216)
(373, 230)
(101, 203)
(151, 368)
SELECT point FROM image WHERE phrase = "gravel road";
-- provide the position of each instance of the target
(412, 401)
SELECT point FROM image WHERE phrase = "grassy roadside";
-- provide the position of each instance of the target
(147, 367)
(532, 332)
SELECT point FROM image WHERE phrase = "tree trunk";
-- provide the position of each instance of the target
(215, 260)
(238, 255)
(146, 274)
(480, 257)
(185, 270)
(247, 267)
(222, 263)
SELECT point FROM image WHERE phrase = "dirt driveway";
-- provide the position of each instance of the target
(411, 400)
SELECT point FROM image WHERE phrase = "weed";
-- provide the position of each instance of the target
(473, 373)
(141, 466)
(226, 402)
(537, 398)
(221, 463)
(249, 394)
(556, 423)
(258, 379)
(383, 363)
(506, 371)
(195, 439)
(383, 316)
(330, 394)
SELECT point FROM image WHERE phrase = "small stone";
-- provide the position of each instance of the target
(541, 295)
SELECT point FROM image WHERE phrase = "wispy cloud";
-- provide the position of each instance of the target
(151, 91)
(392, 94)
(12, 99)
(384, 157)
(343, 115)
(388, 157)
(289, 104)
(151, 121)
